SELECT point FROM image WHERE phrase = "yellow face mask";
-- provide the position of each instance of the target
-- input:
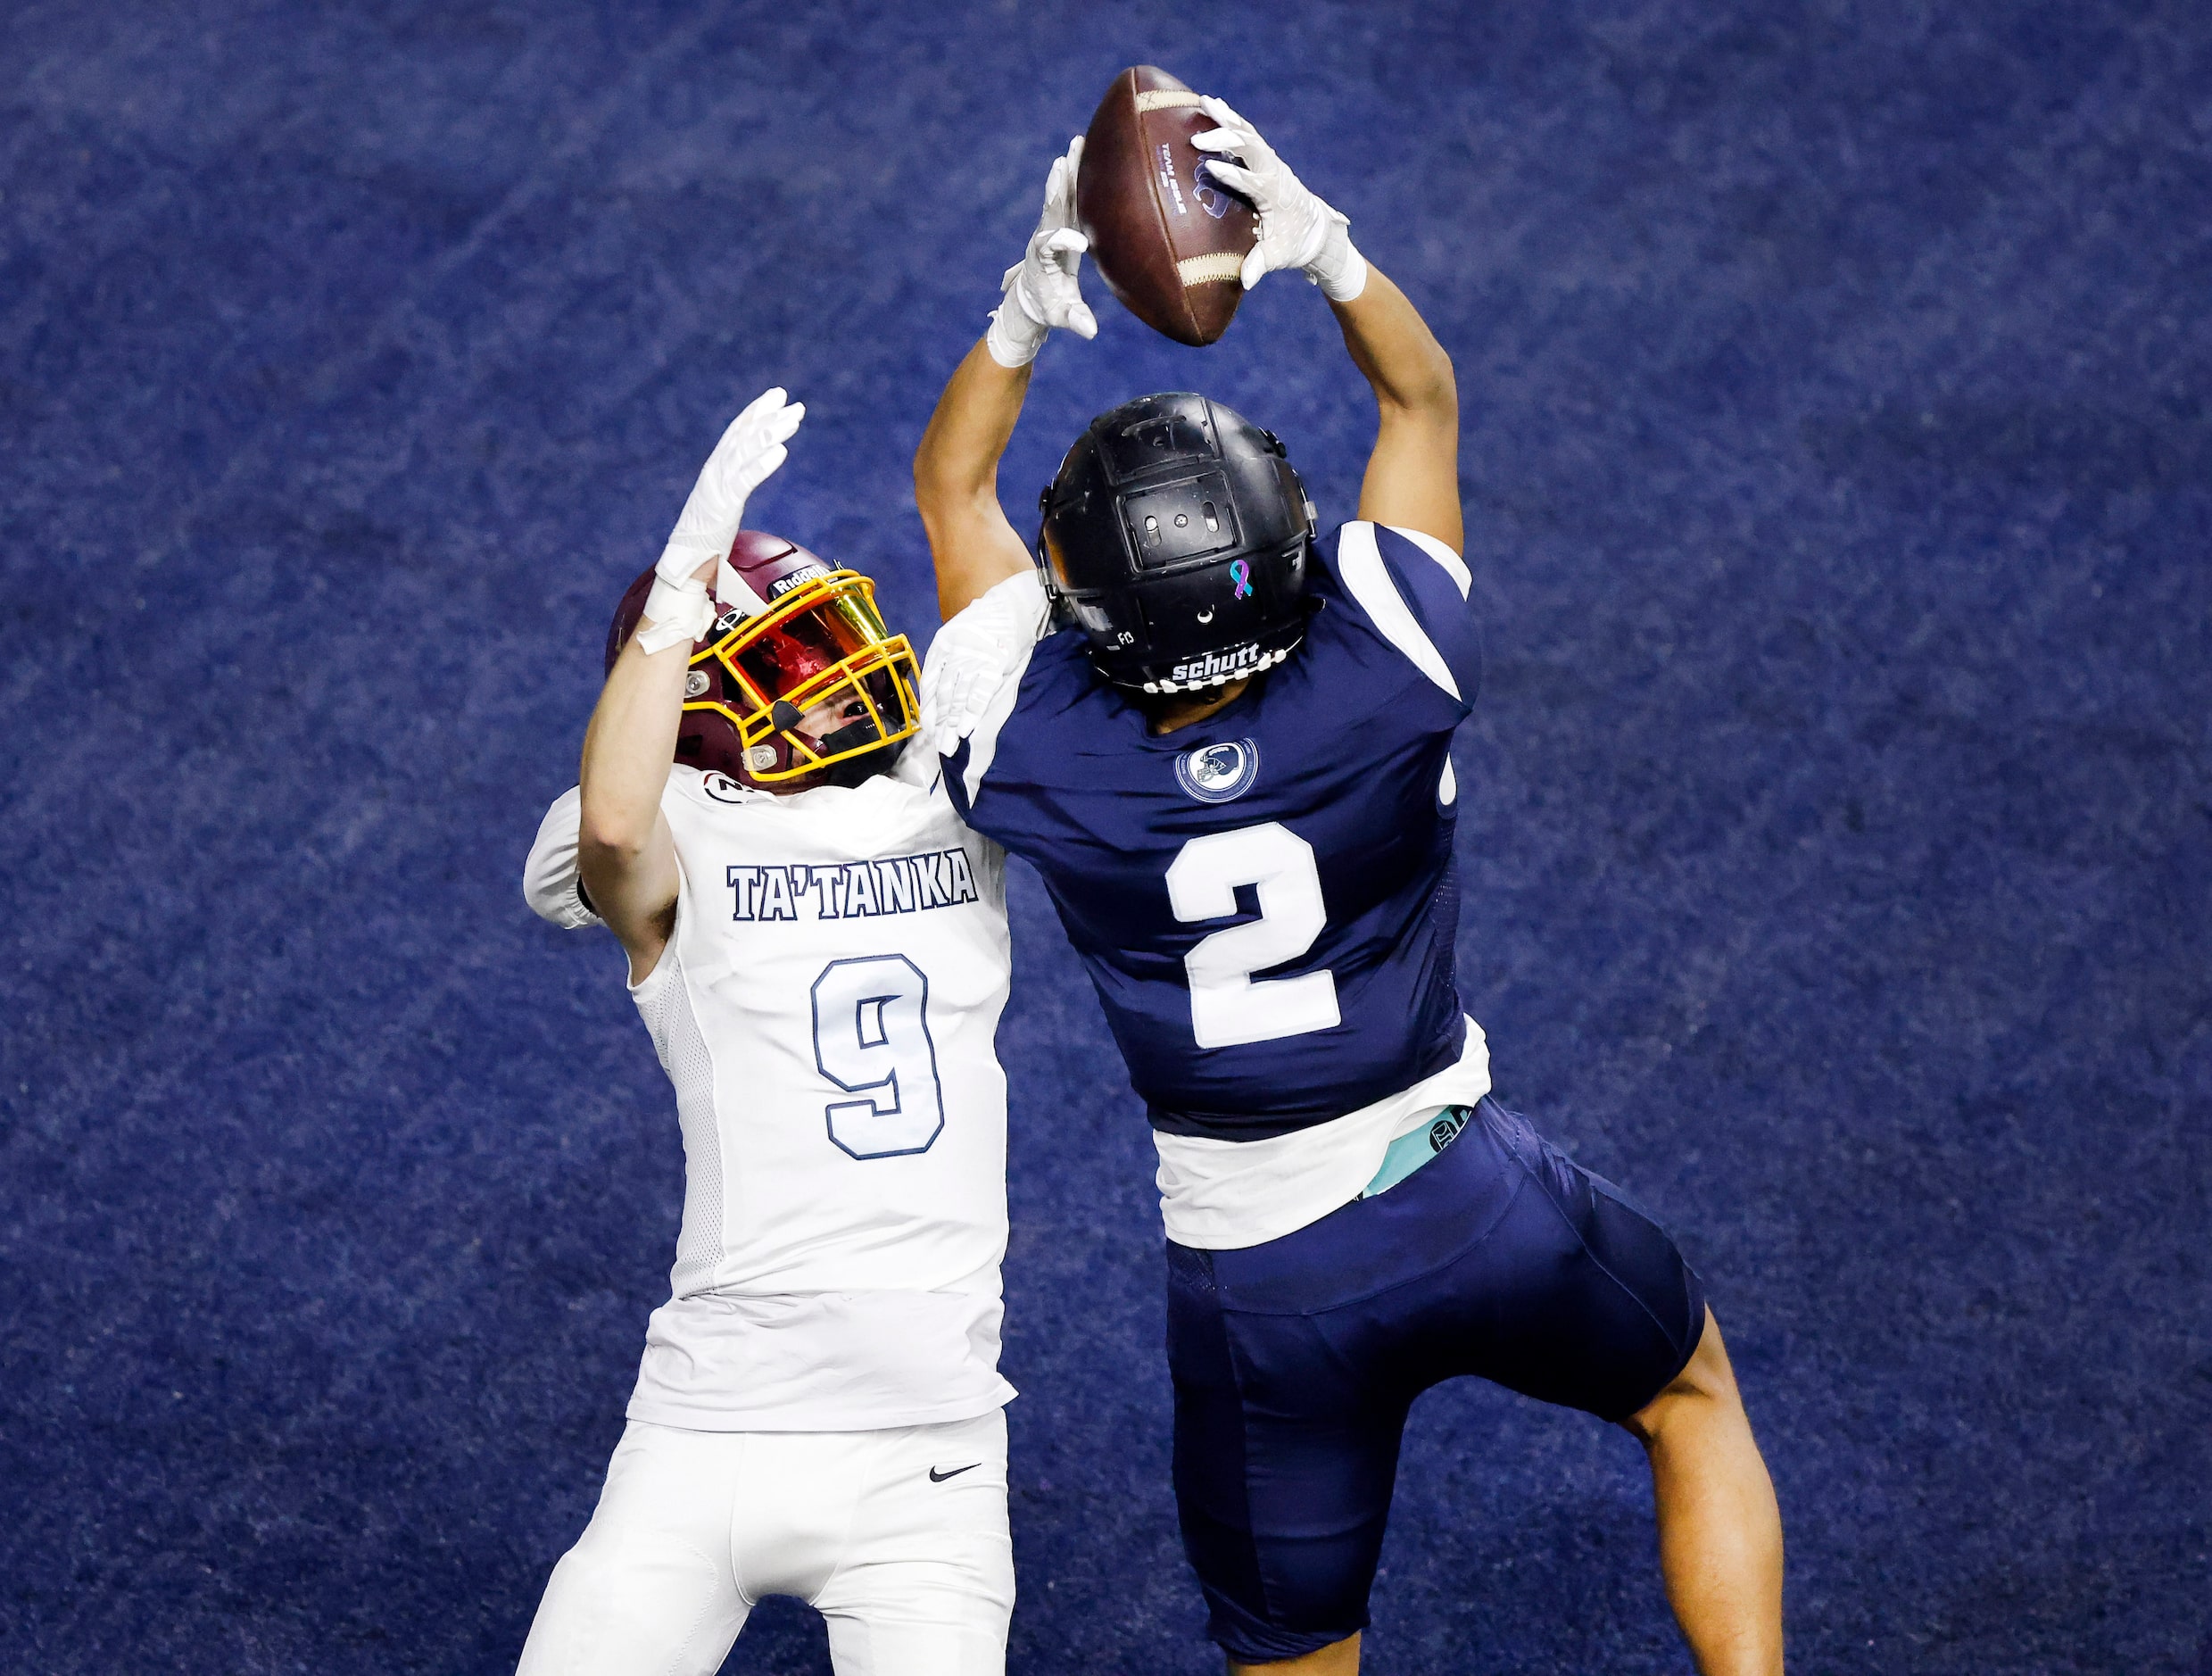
(814, 680)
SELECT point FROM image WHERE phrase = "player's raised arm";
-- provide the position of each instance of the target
(955, 469)
(1412, 475)
(624, 852)
(956, 481)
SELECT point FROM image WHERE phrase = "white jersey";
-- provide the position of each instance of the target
(827, 1010)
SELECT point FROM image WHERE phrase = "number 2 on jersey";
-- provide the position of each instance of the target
(871, 1038)
(1227, 1006)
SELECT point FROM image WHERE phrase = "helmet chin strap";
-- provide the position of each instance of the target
(851, 736)
(854, 770)
(785, 715)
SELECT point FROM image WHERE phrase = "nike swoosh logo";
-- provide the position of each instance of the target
(936, 1477)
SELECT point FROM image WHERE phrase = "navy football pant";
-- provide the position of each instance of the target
(1294, 1362)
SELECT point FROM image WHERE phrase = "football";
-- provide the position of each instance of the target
(1167, 241)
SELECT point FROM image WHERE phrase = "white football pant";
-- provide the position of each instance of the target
(899, 1538)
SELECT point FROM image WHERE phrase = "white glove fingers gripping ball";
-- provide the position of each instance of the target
(1062, 251)
(1060, 186)
(1239, 180)
(1053, 261)
(1042, 291)
(1222, 111)
(1080, 318)
(1298, 229)
(1058, 197)
(1234, 135)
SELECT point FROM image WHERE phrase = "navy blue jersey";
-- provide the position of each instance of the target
(1265, 902)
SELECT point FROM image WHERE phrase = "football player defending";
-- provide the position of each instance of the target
(1234, 772)
(818, 947)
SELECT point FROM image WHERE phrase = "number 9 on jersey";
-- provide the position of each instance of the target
(871, 1038)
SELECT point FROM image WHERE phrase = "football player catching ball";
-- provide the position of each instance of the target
(1232, 769)
(818, 948)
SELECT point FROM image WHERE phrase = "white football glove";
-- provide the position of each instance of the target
(678, 608)
(955, 691)
(1296, 229)
(1041, 290)
(976, 654)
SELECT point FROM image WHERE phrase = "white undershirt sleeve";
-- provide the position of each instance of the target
(551, 883)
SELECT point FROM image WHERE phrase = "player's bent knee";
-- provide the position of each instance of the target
(1705, 1381)
(1338, 1658)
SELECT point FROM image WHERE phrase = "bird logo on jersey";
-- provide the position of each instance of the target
(1215, 774)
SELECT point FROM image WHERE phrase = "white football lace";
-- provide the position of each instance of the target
(1208, 269)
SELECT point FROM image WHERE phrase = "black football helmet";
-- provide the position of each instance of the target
(1177, 536)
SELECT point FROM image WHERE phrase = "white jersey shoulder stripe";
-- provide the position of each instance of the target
(1359, 565)
(1455, 566)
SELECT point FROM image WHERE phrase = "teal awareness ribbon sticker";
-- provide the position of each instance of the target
(1408, 1153)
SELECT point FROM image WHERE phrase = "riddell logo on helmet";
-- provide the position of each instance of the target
(1218, 663)
(784, 585)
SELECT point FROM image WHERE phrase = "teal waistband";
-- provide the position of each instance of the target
(1409, 1152)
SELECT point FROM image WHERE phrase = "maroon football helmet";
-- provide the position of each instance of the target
(798, 683)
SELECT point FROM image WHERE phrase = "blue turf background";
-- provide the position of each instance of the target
(1838, 825)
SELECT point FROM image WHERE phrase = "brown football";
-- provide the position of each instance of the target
(1167, 241)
